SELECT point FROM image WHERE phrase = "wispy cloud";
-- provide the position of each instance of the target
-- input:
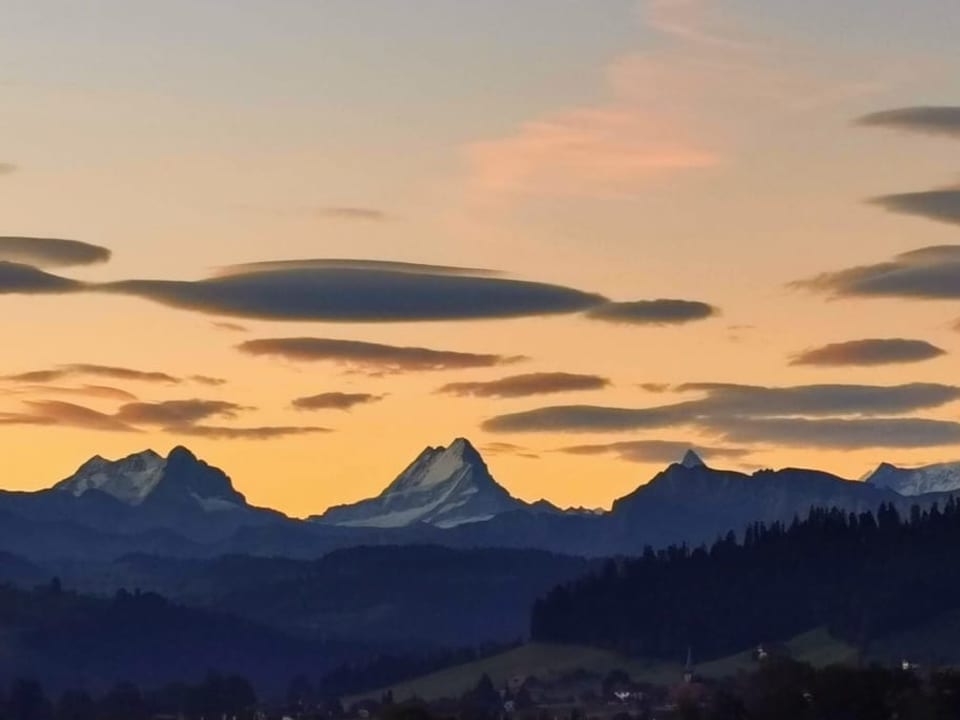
(942, 205)
(54, 412)
(19, 279)
(371, 358)
(335, 401)
(87, 369)
(875, 351)
(659, 116)
(265, 432)
(655, 451)
(834, 414)
(170, 413)
(542, 383)
(925, 119)
(50, 252)
(928, 273)
(362, 214)
(653, 312)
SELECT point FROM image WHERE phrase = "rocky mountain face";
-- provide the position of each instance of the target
(180, 506)
(942, 477)
(443, 487)
(147, 478)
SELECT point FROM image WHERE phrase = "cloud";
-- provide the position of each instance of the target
(878, 351)
(267, 432)
(826, 399)
(839, 433)
(95, 391)
(929, 120)
(87, 369)
(370, 358)
(505, 448)
(654, 387)
(51, 252)
(653, 312)
(170, 413)
(232, 327)
(20, 279)
(208, 380)
(654, 451)
(723, 401)
(362, 214)
(361, 291)
(529, 384)
(664, 109)
(335, 401)
(942, 205)
(928, 273)
(53, 412)
(352, 291)
(588, 418)
(7, 168)
(355, 264)
(178, 417)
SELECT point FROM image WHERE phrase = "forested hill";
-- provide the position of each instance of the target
(863, 576)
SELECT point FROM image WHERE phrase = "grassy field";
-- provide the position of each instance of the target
(549, 661)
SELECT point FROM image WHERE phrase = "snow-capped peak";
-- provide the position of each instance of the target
(133, 480)
(437, 465)
(941, 477)
(443, 486)
(130, 480)
(692, 460)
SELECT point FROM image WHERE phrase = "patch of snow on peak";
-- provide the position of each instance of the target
(941, 477)
(130, 480)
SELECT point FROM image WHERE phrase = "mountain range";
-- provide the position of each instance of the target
(179, 506)
(445, 557)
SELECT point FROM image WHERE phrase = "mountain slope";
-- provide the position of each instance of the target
(942, 477)
(149, 478)
(398, 597)
(444, 487)
(139, 494)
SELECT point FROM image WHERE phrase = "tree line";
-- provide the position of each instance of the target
(861, 575)
(230, 696)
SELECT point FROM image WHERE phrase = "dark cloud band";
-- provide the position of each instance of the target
(875, 351)
(653, 312)
(19, 279)
(722, 402)
(654, 451)
(941, 205)
(51, 252)
(929, 119)
(335, 401)
(372, 358)
(348, 294)
(528, 384)
(928, 273)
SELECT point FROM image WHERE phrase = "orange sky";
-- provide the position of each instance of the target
(680, 149)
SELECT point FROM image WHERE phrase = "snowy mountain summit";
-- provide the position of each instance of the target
(942, 477)
(444, 486)
(148, 478)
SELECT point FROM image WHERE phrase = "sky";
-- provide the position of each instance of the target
(308, 238)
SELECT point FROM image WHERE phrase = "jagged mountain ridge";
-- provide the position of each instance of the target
(940, 477)
(443, 487)
(148, 477)
(180, 506)
(151, 500)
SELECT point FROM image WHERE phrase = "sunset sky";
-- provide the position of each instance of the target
(585, 234)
